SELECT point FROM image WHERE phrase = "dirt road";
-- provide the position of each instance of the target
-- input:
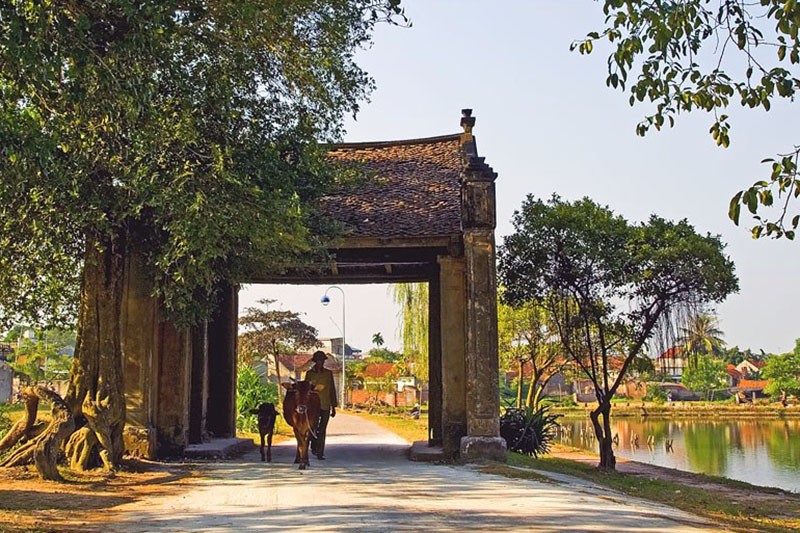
(367, 484)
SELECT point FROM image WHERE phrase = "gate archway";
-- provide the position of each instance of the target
(426, 215)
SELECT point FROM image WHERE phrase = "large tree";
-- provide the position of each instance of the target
(608, 284)
(687, 55)
(184, 132)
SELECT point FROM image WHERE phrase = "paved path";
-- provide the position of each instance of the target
(367, 484)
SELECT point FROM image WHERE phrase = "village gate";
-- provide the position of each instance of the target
(425, 214)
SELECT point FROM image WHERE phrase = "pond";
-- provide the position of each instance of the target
(759, 451)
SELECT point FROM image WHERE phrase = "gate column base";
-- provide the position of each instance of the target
(479, 449)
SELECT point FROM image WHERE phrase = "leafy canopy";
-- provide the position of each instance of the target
(189, 129)
(688, 55)
(608, 283)
(705, 375)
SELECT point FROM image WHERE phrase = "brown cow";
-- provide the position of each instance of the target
(266, 426)
(301, 410)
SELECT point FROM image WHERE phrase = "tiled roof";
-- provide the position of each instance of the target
(413, 189)
(753, 383)
(672, 353)
(378, 370)
(302, 362)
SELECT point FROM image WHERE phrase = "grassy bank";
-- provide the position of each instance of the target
(738, 506)
(686, 410)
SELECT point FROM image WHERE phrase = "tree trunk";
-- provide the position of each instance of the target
(96, 390)
(520, 382)
(278, 373)
(95, 401)
(602, 430)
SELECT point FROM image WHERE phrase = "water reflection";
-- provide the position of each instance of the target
(762, 452)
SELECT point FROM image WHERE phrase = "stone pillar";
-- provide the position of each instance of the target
(434, 364)
(483, 439)
(174, 376)
(222, 337)
(140, 359)
(478, 221)
(454, 394)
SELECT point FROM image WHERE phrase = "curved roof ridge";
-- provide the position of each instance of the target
(399, 142)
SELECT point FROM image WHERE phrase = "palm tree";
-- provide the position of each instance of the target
(377, 339)
(702, 336)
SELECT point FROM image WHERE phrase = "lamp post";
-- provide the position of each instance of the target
(325, 301)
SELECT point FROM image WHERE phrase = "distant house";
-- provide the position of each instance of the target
(5, 350)
(404, 388)
(750, 368)
(294, 366)
(671, 363)
(733, 375)
(333, 345)
(752, 388)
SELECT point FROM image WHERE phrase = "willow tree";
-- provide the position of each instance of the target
(413, 316)
(608, 285)
(185, 132)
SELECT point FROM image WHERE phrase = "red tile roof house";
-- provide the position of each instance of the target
(671, 363)
(295, 366)
(733, 375)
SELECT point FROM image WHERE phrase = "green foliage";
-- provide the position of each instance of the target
(413, 315)
(608, 283)
(251, 391)
(706, 375)
(702, 336)
(5, 420)
(783, 373)
(377, 339)
(527, 335)
(681, 52)
(528, 431)
(41, 358)
(189, 131)
(383, 355)
(655, 393)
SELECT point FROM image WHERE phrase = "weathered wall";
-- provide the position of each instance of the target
(453, 343)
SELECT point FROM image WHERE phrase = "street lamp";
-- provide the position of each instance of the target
(325, 301)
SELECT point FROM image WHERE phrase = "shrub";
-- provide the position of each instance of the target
(528, 431)
(5, 421)
(655, 393)
(251, 392)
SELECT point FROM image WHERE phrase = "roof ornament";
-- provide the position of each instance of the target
(468, 147)
(467, 121)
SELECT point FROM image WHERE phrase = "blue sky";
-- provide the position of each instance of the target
(547, 123)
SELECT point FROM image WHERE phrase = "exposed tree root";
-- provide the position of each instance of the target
(43, 451)
(23, 427)
(80, 449)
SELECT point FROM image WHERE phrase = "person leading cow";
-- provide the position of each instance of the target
(328, 402)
